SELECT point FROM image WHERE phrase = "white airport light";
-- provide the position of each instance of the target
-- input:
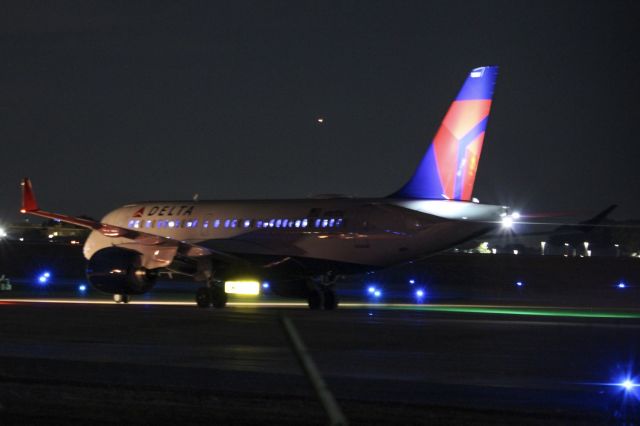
(3, 233)
(507, 222)
(242, 287)
(516, 252)
(515, 215)
(519, 283)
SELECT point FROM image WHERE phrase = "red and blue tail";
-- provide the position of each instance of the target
(448, 169)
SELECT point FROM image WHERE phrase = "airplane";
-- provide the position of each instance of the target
(300, 246)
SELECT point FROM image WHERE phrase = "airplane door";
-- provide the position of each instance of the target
(361, 227)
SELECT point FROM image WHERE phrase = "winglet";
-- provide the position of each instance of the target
(28, 199)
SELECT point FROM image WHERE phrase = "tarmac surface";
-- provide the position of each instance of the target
(80, 363)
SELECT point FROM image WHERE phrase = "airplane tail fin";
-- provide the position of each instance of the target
(448, 169)
(29, 203)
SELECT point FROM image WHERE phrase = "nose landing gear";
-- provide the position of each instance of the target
(121, 298)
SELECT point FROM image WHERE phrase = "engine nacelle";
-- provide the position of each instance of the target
(119, 271)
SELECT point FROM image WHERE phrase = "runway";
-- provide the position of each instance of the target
(69, 363)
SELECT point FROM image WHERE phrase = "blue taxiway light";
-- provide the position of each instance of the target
(265, 285)
(43, 278)
(371, 290)
(377, 293)
(82, 288)
(419, 293)
(621, 285)
(628, 384)
(412, 281)
(519, 283)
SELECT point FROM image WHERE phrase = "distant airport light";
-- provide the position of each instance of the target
(516, 252)
(82, 288)
(47, 274)
(320, 120)
(3, 233)
(242, 287)
(515, 215)
(519, 283)
(371, 290)
(412, 281)
(21, 239)
(265, 285)
(420, 293)
(494, 250)
(621, 284)
(377, 293)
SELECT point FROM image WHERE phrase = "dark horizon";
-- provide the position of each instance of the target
(109, 103)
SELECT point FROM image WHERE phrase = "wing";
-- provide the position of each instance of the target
(157, 251)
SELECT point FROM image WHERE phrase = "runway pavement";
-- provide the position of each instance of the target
(148, 362)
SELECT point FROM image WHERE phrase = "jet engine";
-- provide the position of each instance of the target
(119, 271)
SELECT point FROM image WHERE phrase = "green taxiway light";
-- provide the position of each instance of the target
(572, 313)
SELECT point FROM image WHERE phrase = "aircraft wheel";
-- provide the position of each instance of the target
(315, 299)
(203, 297)
(218, 297)
(121, 298)
(330, 299)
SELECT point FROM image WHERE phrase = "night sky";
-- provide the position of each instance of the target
(104, 103)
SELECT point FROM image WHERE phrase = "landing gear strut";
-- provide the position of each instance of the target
(212, 295)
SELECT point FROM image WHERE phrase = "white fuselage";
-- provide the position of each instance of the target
(374, 232)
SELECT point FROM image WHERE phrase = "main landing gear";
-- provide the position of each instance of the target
(212, 295)
(322, 294)
(323, 298)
